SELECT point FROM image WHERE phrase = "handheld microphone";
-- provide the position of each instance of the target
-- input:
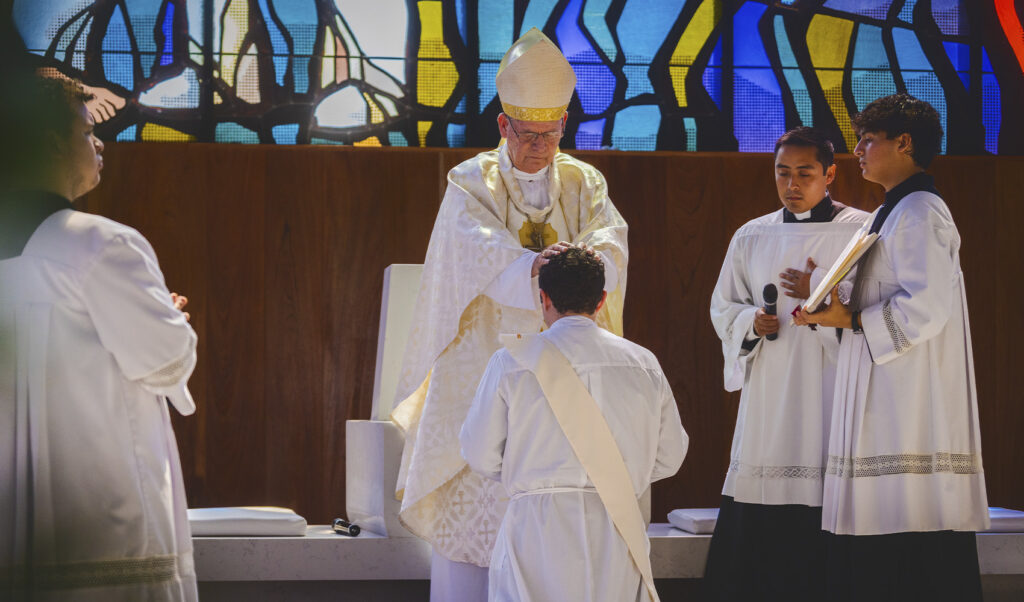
(771, 295)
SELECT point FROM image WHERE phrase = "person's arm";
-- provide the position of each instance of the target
(137, 321)
(673, 441)
(483, 434)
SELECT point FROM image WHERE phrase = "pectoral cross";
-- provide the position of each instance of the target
(537, 237)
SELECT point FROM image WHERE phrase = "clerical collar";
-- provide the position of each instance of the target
(21, 213)
(918, 182)
(530, 177)
(825, 211)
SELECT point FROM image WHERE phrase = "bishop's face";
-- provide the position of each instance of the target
(531, 144)
(800, 178)
(83, 154)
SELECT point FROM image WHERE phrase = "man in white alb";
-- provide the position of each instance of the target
(92, 348)
(768, 541)
(504, 213)
(566, 536)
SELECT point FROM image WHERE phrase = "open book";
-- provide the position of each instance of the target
(856, 248)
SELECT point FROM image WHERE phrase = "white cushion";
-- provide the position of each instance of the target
(245, 520)
(694, 520)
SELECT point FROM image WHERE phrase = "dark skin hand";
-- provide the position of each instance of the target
(765, 323)
(797, 283)
(834, 315)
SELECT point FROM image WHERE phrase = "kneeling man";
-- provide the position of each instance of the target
(576, 423)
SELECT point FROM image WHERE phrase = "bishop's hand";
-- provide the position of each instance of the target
(544, 256)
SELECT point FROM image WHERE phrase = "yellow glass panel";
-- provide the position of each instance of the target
(327, 63)
(371, 141)
(217, 99)
(828, 40)
(236, 25)
(161, 133)
(435, 78)
(376, 115)
(693, 39)
(422, 127)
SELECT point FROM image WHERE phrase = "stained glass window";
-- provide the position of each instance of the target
(687, 75)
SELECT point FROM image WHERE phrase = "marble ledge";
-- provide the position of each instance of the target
(323, 555)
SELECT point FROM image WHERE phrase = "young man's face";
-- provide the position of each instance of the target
(883, 160)
(800, 179)
(528, 155)
(83, 154)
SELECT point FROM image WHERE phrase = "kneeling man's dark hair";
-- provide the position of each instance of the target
(574, 279)
(903, 114)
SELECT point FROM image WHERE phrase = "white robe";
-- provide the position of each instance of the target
(778, 448)
(905, 446)
(476, 284)
(556, 541)
(92, 503)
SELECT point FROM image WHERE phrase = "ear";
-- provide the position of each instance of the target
(545, 300)
(503, 125)
(830, 174)
(600, 304)
(905, 143)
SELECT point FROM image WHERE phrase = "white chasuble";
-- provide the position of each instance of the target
(476, 238)
(905, 446)
(778, 447)
(92, 503)
(557, 541)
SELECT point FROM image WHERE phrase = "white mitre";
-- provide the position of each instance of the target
(535, 82)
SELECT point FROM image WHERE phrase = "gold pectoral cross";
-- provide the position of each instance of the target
(537, 237)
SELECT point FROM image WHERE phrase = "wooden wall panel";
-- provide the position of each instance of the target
(282, 251)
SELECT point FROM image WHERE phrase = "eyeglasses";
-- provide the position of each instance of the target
(551, 137)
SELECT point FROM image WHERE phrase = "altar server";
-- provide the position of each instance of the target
(904, 489)
(574, 529)
(768, 541)
(504, 213)
(92, 348)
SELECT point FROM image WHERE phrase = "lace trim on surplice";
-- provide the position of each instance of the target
(874, 466)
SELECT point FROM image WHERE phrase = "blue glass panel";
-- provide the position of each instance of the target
(690, 127)
(590, 134)
(636, 128)
(948, 17)
(910, 54)
(759, 117)
(869, 53)
(167, 28)
(461, 107)
(917, 74)
(127, 134)
(232, 132)
(991, 111)
(285, 133)
(595, 82)
(869, 8)
(117, 48)
(299, 18)
(537, 14)
(712, 76)
(456, 135)
(318, 140)
(871, 77)
(485, 80)
(495, 30)
(142, 18)
(594, 20)
(986, 65)
(748, 50)
(907, 12)
(397, 139)
(959, 56)
(637, 81)
(643, 25)
(278, 43)
(795, 80)
(716, 55)
(460, 16)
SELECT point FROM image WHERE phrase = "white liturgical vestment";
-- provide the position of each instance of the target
(779, 445)
(905, 443)
(476, 285)
(92, 504)
(556, 541)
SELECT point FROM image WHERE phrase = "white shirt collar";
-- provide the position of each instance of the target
(529, 177)
(802, 216)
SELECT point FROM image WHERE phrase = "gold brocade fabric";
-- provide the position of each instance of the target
(455, 331)
(528, 114)
(537, 237)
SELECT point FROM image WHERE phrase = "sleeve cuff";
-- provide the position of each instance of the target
(877, 334)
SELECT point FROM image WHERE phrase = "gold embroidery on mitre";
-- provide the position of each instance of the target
(531, 114)
(537, 237)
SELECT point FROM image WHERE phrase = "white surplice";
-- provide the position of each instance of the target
(778, 447)
(92, 503)
(556, 541)
(905, 446)
(476, 284)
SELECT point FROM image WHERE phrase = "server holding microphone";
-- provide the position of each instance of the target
(768, 543)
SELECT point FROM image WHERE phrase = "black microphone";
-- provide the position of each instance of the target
(771, 295)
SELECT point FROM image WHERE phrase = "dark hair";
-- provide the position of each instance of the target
(30, 107)
(810, 138)
(574, 279)
(903, 114)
